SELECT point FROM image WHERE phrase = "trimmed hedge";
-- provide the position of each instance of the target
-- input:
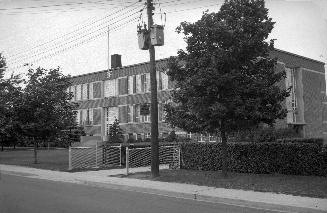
(318, 141)
(260, 158)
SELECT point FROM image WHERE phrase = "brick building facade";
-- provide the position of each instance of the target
(104, 96)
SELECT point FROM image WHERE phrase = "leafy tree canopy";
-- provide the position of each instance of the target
(225, 79)
(45, 108)
(10, 90)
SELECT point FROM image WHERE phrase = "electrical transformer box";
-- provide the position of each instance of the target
(157, 35)
(143, 39)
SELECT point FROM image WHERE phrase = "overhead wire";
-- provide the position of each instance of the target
(50, 6)
(64, 36)
(76, 45)
(49, 49)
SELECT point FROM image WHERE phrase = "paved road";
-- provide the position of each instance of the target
(28, 195)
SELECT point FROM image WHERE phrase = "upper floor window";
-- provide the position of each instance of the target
(291, 101)
(78, 92)
(143, 83)
(123, 86)
(85, 91)
(97, 91)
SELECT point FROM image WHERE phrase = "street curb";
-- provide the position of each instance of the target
(177, 190)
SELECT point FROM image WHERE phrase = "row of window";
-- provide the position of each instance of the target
(125, 114)
(197, 137)
(121, 86)
(88, 116)
(131, 114)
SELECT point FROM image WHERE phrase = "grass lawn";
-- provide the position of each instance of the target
(53, 159)
(310, 186)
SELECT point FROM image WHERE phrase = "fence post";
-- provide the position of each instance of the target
(179, 157)
(96, 154)
(120, 155)
(127, 156)
(70, 158)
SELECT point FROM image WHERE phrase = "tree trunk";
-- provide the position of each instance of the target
(35, 151)
(2, 147)
(224, 152)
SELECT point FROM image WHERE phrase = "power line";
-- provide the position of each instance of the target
(59, 46)
(74, 31)
(77, 44)
(47, 49)
(49, 6)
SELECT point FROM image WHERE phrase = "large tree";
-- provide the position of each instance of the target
(10, 91)
(45, 109)
(225, 79)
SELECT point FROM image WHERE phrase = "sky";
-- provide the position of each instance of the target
(73, 34)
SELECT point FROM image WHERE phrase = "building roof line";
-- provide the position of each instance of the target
(118, 68)
(300, 56)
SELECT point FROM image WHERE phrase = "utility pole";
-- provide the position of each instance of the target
(154, 100)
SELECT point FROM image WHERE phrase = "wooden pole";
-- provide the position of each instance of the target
(154, 100)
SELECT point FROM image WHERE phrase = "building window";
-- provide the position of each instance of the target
(145, 118)
(136, 113)
(131, 84)
(123, 114)
(96, 116)
(143, 83)
(129, 114)
(147, 135)
(212, 138)
(159, 80)
(73, 91)
(134, 84)
(189, 135)
(123, 86)
(97, 90)
(164, 80)
(291, 101)
(85, 91)
(110, 88)
(78, 92)
(202, 138)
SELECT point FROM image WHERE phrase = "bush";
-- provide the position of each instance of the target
(261, 158)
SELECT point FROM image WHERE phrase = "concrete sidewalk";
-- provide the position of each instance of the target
(103, 178)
